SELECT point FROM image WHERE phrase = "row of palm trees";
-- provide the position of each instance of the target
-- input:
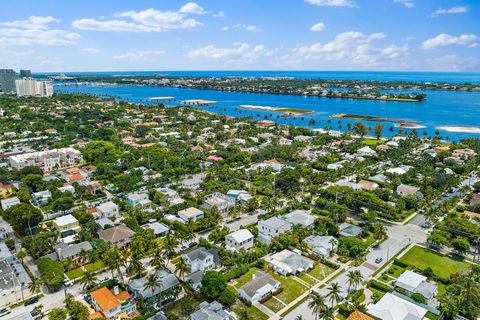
(318, 303)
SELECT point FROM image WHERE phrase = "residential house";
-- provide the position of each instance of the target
(113, 304)
(393, 307)
(241, 196)
(41, 198)
(67, 188)
(272, 164)
(413, 282)
(120, 235)
(172, 195)
(166, 281)
(72, 251)
(337, 165)
(192, 183)
(241, 239)
(463, 153)
(138, 200)
(191, 214)
(349, 230)
(406, 190)
(288, 262)
(9, 202)
(108, 210)
(358, 315)
(3, 234)
(159, 229)
(210, 311)
(220, 201)
(262, 286)
(201, 259)
(367, 185)
(300, 218)
(348, 184)
(321, 246)
(66, 223)
(273, 227)
(366, 152)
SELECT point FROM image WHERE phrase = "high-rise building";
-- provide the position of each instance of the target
(25, 74)
(29, 87)
(7, 80)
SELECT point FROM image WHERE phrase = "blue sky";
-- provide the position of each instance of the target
(109, 35)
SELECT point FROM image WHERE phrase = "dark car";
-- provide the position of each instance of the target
(192, 244)
(378, 260)
(35, 313)
(31, 301)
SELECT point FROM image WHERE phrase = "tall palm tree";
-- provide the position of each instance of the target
(351, 279)
(379, 231)
(334, 293)
(114, 260)
(317, 304)
(358, 278)
(182, 268)
(152, 282)
(88, 280)
(159, 260)
(34, 285)
(333, 242)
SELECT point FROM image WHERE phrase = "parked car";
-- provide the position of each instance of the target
(68, 282)
(31, 301)
(105, 279)
(4, 312)
(192, 244)
(378, 260)
(35, 312)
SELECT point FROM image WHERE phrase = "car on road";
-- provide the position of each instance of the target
(4, 312)
(192, 244)
(31, 301)
(105, 279)
(378, 260)
(35, 312)
(87, 298)
(68, 282)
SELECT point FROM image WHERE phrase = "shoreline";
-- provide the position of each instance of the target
(460, 129)
(286, 111)
(407, 124)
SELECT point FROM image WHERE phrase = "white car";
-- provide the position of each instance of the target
(4, 312)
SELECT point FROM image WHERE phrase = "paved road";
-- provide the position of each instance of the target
(399, 237)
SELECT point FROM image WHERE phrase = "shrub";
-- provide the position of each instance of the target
(236, 272)
(330, 264)
(400, 263)
(418, 297)
(51, 271)
(379, 286)
(227, 297)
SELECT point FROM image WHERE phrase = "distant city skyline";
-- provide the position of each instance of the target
(383, 35)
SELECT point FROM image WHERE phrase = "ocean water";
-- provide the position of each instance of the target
(450, 77)
(440, 109)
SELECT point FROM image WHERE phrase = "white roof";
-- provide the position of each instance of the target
(190, 212)
(396, 171)
(392, 307)
(65, 220)
(410, 280)
(241, 235)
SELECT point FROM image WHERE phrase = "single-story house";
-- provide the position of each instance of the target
(393, 307)
(406, 190)
(262, 286)
(413, 282)
(191, 213)
(367, 185)
(120, 235)
(165, 280)
(210, 311)
(349, 230)
(288, 262)
(321, 246)
(9, 202)
(300, 218)
(72, 251)
(159, 229)
(241, 196)
(366, 152)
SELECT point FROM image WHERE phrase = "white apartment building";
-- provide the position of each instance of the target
(29, 87)
(48, 160)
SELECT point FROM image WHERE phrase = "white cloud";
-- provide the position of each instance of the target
(192, 7)
(318, 27)
(138, 55)
(238, 53)
(244, 27)
(220, 14)
(342, 41)
(406, 3)
(452, 10)
(149, 20)
(442, 40)
(91, 50)
(332, 3)
(34, 31)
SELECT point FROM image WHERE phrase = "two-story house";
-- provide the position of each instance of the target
(201, 259)
(108, 210)
(273, 227)
(120, 235)
(112, 304)
(241, 239)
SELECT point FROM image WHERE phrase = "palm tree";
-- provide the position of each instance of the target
(88, 279)
(182, 268)
(152, 283)
(351, 279)
(317, 304)
(114, 260)
(379, 231)
(358, 278)
(334, 293)
(333, 242)
(34, 285)
(159, 260)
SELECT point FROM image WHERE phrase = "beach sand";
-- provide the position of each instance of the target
(463, 129)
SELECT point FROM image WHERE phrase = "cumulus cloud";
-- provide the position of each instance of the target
(332, 3)
(318, 27)
(34, 31)
(238, 53)
(149, 20)
(405, 3)
(442, 40)
(452, 10)
(138, 55)
(219, 14)
(244, 27)
(192, 7)
(91, 50)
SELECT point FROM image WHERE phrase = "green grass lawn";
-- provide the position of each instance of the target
(245, 278)
(291, 288)
(321, 271)
(307, 279)
(274, 305)
(441, 265)
(253, 313)
(74, 273)
(94, 266)
(372, 142)
(394, 271)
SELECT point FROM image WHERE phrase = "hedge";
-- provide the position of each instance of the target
(51, 271)
(400, 263)
(379, 286)
(236, 272)
(330, 264)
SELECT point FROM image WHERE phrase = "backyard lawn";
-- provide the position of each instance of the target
(321, 271)
(308, 279)
(273, 304)
(74, 273)
(245, 278)
(441, 265)
(94, 266)
(253, 313)
(291, 288)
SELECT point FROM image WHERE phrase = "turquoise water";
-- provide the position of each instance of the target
(450, 77)
(441, 108)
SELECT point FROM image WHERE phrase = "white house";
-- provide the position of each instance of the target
(199, 259)
(413, 282)
(393, 307)
(273, 227)
(9, 202)
(288, 262)
(239, 239)
(300, 218)
(191, 213)
(321, 246)
(366, 152)
(262, 286)
(108, 209)
(406, 190)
